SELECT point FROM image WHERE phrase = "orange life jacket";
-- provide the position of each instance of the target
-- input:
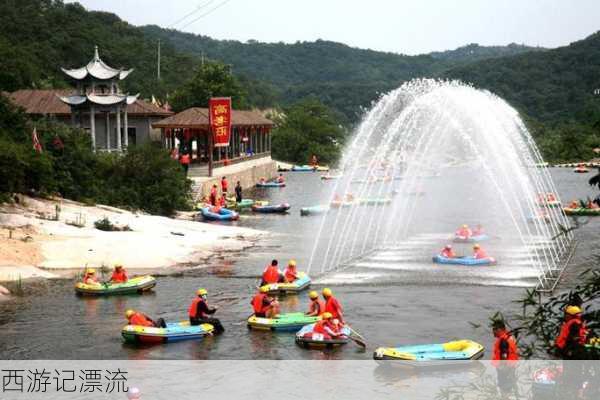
(333, 306)
(257, 303)
(464, 232)
(479, 254)
(448, 253)
(140, 319)
(90, 279)
(565, 333)
(271, 274)
(324, 327)
(119, 276)
(317, 306)
(193, 310)
(185, 159)
(224, 184)
(511, 353)
(291, 274)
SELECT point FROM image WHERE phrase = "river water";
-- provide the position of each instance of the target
(51, 322)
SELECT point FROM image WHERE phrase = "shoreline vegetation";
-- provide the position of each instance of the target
(56, 238)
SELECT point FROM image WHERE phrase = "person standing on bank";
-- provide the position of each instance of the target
(224, 186)
(185, 159)
(238, 192)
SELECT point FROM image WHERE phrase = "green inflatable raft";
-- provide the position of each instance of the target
(291, 322)
(588, 212)
(137, 284)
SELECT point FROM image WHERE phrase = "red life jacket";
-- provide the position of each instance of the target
(140, 319)
(185, 159)
(317, 306)
(193, 310)
(511, 354)
(323, 327)
(448, 253)
(90, 279)
(257, 303)
(120, 277)
(271, 274)
(479, 254)
(224, 184)
(291, 274)
(565, 332)
(333, 306)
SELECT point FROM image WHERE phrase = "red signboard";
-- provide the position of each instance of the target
(220, 120)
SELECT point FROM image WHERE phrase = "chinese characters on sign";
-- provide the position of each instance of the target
(68, 381)
(220, 120)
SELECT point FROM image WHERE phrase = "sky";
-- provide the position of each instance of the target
(399, 26)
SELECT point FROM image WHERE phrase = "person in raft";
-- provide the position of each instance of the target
(280, 179)
(238, 192)
(262, 180)
(574, 204)
(139, 319)
(328, 326)
(332, 305)
(314, 162)
(119, 275)
(290, 274)
(464, 232)
(263, 305)
(478, 252)
(448, 252)
(200, 312)
(213, 195)
(316, 306)
(224, 185)
(90, 278)
(478, 231)
(271, 274)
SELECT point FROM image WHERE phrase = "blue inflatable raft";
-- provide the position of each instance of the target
(175, 331)
(459, 350)
(469, 261)
(224, 214)
(471, 239)
(303, 168)
(271, 209)
(270, 184)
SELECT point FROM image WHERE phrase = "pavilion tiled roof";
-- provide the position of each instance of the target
(197, 117)
(48, 102)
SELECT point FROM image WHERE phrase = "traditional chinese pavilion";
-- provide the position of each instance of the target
(99, 99)
(189, 131)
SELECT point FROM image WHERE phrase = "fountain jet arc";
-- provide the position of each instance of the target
(442, 154)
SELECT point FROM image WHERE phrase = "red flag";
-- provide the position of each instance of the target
(220, 120)
(37, 146)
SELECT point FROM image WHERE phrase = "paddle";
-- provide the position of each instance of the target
(359, 340)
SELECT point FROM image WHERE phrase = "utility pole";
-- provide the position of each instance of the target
(158, 63)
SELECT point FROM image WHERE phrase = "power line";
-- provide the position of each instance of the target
(200, 7)
(206, 13)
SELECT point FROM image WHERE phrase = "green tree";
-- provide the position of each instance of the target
(212, 79)
(306, 128)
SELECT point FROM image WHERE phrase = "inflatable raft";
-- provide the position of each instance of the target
(460, 350)
(270, 185)
(589, 212)
(470, 239)
(224, 214)
(374, 202)
(300, 284)
(242, 205)
(314, 210)
(303, 168)
(291, 322)
(308, 339)
(271, 209)
(175, 331)
(581, 170)
(470, 261)
(137, 284)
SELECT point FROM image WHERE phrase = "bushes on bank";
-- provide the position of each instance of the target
(145, 178)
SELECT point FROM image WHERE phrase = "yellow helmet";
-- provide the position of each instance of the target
(129, 313)
(465, 226)
(119, 265)
(201, 292)
(326, 315)
(327, 292)
(292, 263)
(573, 310)
(264, 289)
(313, 294)
(90, 271)
(476, 246)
